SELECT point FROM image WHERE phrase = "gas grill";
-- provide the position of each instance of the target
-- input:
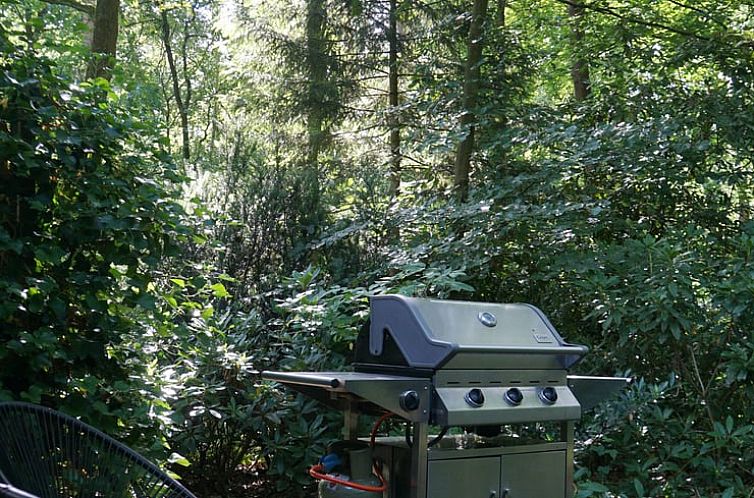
(489, 370)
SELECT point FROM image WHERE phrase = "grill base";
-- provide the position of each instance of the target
(538, 470)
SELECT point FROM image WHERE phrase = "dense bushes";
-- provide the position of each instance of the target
(93, 302)
(87, 215)
(628, 224)
(99, 317)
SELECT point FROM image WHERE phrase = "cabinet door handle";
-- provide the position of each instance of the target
(505, 493)
(493, 494)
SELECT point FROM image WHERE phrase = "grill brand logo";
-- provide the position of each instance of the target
(487, 319)
(542, 338)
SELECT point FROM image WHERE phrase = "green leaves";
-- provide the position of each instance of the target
(218, 290)
(179, 459)
(80, 242)
(179, 282)
(591, 489)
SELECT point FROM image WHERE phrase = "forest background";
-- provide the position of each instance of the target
(192, 191)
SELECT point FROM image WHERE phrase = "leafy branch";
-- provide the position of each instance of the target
(86, 8)
(632, 19)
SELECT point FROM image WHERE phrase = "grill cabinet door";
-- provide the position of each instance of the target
(464, 478)
(533, 475)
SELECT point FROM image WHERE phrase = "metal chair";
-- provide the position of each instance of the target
(8, 491)
(47, 454)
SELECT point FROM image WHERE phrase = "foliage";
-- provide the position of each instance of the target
(84, 224)
(257, 214)
(208, 400)
(625, 216)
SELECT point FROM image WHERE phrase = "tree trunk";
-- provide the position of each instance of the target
(104, 39)
(582, 86)
(177, 94)
(317, 75)
(186, 143)
(317, 99)
(393, 120)
(501, 5)
(470, 92)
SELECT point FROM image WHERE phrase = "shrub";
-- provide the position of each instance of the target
(88, 210)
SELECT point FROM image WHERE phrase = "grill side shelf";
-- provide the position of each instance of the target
(369, 392)
(591, 391)
(313, 379)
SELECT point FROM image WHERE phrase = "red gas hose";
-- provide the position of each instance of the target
(315, 473)
(377, 426)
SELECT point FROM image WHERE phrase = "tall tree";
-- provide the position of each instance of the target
(317, 78)
(183, 95)
(470, 92)
(582, 85)
(103, 20)
(393, 119)
(104, 39)
(317, 98)
(501, 6)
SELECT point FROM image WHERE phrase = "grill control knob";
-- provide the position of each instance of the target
(475, 397)
(409, 401)
(514, 396)
(548, 395)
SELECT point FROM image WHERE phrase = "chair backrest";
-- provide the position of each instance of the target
(52, 455)
(8, 491)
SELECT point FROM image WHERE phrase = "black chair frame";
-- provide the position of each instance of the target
(48, 454)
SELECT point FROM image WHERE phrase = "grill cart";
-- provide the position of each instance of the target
(493, 370)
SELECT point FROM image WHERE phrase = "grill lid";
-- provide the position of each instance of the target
(433, 334)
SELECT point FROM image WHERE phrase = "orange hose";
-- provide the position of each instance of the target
(315, 473)
(377, 426)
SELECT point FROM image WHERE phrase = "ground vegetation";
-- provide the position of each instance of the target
(194, 191)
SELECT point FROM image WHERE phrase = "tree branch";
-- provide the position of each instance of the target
(631, 19)
(81, 7)
(182, 108)
(699, 11)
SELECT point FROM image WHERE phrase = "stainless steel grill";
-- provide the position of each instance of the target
(481, 367)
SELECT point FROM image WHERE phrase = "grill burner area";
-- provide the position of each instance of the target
(476, 366)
